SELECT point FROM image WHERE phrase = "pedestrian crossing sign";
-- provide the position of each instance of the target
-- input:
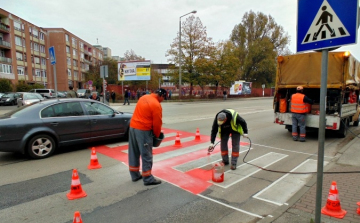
(324, 24)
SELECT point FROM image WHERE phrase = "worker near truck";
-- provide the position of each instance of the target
(299, 110)
(228, 122)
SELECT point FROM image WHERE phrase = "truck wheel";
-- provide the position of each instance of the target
(344, 124)
(356, 123)
(41, 146)
(289, 128)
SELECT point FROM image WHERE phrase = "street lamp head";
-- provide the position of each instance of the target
(194, 11)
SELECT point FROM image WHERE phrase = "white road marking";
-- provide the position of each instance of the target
(245, 170)
(286, 186)
(226, 205)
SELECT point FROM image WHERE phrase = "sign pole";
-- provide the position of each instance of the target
(322, 123)
(55, 82)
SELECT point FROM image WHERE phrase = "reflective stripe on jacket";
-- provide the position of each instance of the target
(236, 128)
(297, 103)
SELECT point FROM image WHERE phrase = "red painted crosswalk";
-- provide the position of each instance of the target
(195, 180)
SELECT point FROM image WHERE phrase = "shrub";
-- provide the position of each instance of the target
(23, 87)
(5, 85)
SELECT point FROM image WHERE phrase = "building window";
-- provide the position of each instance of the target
(43, 73)
(81, 45)
(5, 68)
(35, 33)
(75, 63)
(37, 60)
(20, 71)
(42, 36)
(17, 26)
(43, 61)
(37, 73)
(68, 61)
(73, 41)
(31, 45)
(30, 30)
(74, 52)
(42, 48)
(19, 56)
(69, 72)
(18, 41)
(75, 73)
(82, 55)
(66, 37)
(36, 47)
(67, 49)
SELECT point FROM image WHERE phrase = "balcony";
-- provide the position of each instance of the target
(4, 28)
(87, 61)
(4, 44)
(5, 60)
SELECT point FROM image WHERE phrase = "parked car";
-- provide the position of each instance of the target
(40, 129)
(46, 93)
(27, 98)
(61, 94)
(83, 93)
(1, 94)
(9, 99)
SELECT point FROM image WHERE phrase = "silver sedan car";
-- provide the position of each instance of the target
(27, 98)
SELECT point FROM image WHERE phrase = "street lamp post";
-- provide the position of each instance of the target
(180, 50)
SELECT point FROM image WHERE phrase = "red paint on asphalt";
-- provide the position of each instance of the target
(194, 181)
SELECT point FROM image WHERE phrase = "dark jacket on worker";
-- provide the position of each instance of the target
(226, 126)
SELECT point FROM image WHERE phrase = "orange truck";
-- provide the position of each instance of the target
(343, 84)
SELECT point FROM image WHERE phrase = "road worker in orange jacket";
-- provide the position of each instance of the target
(299, 110)
(145, 123)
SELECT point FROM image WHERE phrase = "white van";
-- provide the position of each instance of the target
(46, 93)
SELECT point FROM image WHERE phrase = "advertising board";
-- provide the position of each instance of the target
(134, 70)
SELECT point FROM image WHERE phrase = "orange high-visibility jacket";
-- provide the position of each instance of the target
(147, 114)
(298, 104)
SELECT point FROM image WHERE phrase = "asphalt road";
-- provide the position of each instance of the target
(35, 190)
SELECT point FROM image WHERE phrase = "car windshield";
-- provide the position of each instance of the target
(81, 90)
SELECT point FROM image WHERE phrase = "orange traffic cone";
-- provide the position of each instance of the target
(75, 189)
(197, 135)
(333, 207)
(177, 140)
(358, 210)
(94, 163)
(77, 217)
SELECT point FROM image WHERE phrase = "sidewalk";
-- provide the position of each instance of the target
(302, 206)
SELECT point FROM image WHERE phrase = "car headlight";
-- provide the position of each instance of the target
(27, 102)
(8, 99)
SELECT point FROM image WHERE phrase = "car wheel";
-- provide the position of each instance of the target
(41, 146)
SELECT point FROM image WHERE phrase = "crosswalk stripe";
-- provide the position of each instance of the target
(285, 187)
(244, 171)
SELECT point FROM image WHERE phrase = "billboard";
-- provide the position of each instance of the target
(241, 88)
(134, 70)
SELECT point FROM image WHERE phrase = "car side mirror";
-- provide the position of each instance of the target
(114, 113)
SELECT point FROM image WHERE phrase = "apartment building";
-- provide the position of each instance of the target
(24, 53)
(23, 50)
(73, 58)
(106, 51)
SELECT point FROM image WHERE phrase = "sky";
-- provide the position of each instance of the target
(148, 27)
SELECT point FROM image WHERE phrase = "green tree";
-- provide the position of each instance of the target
(5, 85)
(259, 40)
(194, 45)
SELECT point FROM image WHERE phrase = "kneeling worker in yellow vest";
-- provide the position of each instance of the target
(228, 122)
(299, 110)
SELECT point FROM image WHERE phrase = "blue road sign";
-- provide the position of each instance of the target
(323, 24)
(52, 55)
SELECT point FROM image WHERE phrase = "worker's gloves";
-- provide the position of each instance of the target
(211, 148)
(245, 136)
